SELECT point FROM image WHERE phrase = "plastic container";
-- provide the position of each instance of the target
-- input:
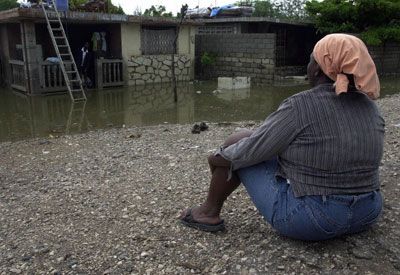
(62, 5)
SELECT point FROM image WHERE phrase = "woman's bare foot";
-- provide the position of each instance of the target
(201, 215)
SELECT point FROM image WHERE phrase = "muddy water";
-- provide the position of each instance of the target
(24, 117)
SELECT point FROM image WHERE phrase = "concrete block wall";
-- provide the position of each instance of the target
(148, 69)
(386, 58)
(250, 55)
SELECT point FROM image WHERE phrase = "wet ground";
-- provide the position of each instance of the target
(24, 117)
(107, 201)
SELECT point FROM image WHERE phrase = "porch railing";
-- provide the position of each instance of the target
(110, 73)
(18, 79)
(51, 77)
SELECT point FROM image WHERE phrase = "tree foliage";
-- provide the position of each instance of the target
(8, 4)
(114, 9)
(293, 9)
(77, 4)
(377, 21)
(157, 11)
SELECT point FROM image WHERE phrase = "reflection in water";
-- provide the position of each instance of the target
(233, 95)
(23, 117)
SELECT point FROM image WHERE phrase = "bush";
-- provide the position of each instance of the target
(208, 58)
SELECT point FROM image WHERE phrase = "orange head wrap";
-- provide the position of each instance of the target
(340, 54)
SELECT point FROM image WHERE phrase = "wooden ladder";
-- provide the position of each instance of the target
(76, 117)
(61, 45)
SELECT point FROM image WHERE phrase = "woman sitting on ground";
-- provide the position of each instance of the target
(312, 168)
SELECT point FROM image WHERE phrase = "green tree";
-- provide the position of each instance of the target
(377, 21)
(76, 5)
(115, 9)
(8, 4)
(265, 8)
(157, 11)
(293, 9)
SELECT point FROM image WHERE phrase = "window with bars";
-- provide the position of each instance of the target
(157, 40)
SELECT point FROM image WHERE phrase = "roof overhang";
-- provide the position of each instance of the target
(254, 20)
(36, 15)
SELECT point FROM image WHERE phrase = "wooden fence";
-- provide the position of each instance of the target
(52, 78)
(110, 73)
(18, 79)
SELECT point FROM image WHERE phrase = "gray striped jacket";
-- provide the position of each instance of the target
(325, 143)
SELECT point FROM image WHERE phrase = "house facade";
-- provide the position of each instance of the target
(137, 50)
(266, 49)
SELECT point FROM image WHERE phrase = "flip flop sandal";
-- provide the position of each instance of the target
(189, 221)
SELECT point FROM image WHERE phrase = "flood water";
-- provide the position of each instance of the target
(24, 117)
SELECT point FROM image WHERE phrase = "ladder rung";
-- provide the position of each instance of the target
(62, 46)
(59, 37)
(79, 99)
(71, 72)
(65, 54)
(54, 20)
(56, 29)
(74, 80)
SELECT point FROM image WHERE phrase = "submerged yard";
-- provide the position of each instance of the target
(107, 201)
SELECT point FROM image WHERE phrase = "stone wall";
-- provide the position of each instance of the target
(148, 69)
(387, 58)
(291, 70)
(238, 55)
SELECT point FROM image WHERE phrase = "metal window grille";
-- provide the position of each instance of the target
(157, 41)
(280, 48)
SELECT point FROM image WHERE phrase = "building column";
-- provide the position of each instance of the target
(5, 54)
(30, 52)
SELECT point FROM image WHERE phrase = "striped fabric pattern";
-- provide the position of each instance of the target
(325, 143)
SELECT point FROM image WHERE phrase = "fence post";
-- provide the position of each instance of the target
(99, 74)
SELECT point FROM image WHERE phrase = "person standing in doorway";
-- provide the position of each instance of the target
(84, 63)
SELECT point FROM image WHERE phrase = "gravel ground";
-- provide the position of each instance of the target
(106, 202)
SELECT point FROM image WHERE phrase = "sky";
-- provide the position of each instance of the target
(130, 6)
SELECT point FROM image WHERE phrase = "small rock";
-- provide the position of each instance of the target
(41, 250)
(196, 129)
(26, 258)
(15, 270)
(135, 135)
(44, 142)
(72, 264)
(362, 254)
(144, 254)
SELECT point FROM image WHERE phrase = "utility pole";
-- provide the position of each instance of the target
(174, 84)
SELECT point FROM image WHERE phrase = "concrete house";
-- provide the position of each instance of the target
(139, 49)
(270, 49)
(263, 48)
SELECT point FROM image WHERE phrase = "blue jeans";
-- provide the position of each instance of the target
(311, 218)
